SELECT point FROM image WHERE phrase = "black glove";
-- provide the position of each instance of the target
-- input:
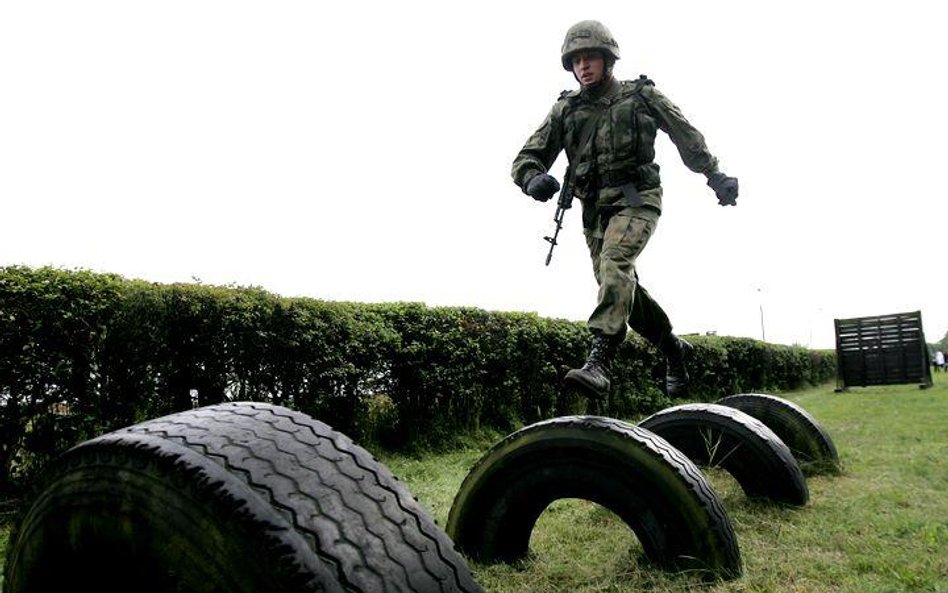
(542, 187)
(725, 187)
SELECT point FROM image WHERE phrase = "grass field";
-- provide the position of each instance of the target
(881, 526)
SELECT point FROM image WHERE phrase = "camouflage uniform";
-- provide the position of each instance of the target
(615, 176)
(619, 187)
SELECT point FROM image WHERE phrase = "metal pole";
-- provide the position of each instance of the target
(763, 335)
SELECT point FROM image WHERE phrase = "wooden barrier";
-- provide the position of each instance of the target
(883, 350)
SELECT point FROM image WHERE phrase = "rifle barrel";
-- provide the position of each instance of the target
(564, 202)
(558, 219)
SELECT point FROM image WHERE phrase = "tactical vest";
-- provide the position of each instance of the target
(622, 149)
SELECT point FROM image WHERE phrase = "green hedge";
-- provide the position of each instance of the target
(84, 353)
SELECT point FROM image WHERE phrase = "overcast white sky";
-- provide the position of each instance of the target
(361, 151)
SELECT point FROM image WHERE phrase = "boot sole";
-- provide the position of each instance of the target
(585, 388)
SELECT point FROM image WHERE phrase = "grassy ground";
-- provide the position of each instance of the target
(881, 526)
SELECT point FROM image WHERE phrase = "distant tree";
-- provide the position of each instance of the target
(940, 345)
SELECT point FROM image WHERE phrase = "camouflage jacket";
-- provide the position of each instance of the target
(622, 147)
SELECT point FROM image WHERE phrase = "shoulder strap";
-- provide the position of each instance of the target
(641, 82)
(585, 134)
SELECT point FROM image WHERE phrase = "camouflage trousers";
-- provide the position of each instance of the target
(623, 302)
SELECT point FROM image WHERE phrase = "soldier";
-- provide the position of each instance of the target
(607, 128)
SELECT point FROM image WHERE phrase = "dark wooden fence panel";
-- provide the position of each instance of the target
(882, 350)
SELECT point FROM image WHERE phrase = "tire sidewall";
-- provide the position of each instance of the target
(117, 515)
(624, 470)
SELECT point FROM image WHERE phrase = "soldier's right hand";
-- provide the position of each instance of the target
(542, 187)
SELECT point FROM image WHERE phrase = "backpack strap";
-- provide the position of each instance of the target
(641, 82)
(586, 133)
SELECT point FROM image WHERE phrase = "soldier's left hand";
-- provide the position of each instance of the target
(725, 188)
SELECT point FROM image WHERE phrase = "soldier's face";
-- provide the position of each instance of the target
(588, 67)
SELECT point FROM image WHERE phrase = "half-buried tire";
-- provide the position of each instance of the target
(712, 435)
(651, 486)
(810, 444)
(239, 497)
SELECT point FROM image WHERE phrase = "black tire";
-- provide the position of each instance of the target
(652, 487)
(718, 436)
(239, 497)
(810, 444)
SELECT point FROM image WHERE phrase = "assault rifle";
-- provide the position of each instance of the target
(564, 203)
(566, 194)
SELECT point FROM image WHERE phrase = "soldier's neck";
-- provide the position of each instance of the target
(601, 89)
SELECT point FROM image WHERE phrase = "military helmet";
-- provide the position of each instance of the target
(588, 36)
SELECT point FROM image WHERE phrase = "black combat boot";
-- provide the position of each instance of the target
(593, 379)
(677, 353)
